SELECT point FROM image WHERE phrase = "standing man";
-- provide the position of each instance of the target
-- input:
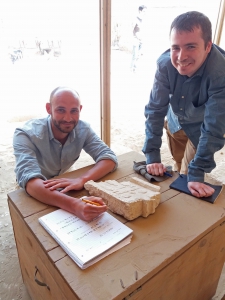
(189, 89)
(137, 37)
(47, 147)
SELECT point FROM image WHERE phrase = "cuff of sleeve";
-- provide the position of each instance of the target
(195, 175)
(111, 158)
(153, 157)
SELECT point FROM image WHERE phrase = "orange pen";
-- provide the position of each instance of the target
(90, 202)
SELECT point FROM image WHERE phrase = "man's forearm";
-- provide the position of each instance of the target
(37, 190)
(101, 168)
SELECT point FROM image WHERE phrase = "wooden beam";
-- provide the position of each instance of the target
(105, 58)
(220, 23)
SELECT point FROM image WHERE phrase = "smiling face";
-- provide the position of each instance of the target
(188, 50)
(65, 110)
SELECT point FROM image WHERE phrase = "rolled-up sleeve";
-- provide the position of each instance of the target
(27, 166)
(212, 137)
(155, 112)
(97, 149)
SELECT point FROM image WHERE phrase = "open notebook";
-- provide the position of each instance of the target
(86, 242)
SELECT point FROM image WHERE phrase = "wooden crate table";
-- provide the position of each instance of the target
(176, 253)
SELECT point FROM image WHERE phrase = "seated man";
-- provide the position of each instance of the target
(47, 147)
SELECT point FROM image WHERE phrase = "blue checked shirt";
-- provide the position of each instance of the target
(39, 155)
(195, 104)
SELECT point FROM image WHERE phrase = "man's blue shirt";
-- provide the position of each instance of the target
(39, 155)
(195, 104)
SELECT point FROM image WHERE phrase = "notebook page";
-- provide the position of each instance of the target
(85, 239)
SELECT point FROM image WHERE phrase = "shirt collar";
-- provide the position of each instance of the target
(51, 136)
(200, 71)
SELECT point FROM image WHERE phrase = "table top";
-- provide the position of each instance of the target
(178, 223)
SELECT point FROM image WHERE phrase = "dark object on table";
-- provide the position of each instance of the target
(140, 168)
(180, 184)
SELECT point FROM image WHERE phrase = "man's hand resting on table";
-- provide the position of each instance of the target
(66, 184)
(99, 170)
(156, 169)
(199, 189)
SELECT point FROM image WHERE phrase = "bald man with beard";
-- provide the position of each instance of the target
(48, 147)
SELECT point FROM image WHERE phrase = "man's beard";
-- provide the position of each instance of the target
(63, 129)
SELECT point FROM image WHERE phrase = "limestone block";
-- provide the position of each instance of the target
(145, 184)
(127, 198)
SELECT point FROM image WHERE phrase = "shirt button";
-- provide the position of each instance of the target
(60, 146)
(181, 108)
(182, 97)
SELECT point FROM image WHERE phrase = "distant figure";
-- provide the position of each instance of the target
(137, 37)
(15, 54)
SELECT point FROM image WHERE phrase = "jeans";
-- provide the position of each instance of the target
(181, 148)
(135, 55)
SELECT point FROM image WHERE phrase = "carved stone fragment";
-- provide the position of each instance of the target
(147, 185)
(130, 199)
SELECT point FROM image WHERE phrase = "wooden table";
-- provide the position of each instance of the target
(176, 253)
